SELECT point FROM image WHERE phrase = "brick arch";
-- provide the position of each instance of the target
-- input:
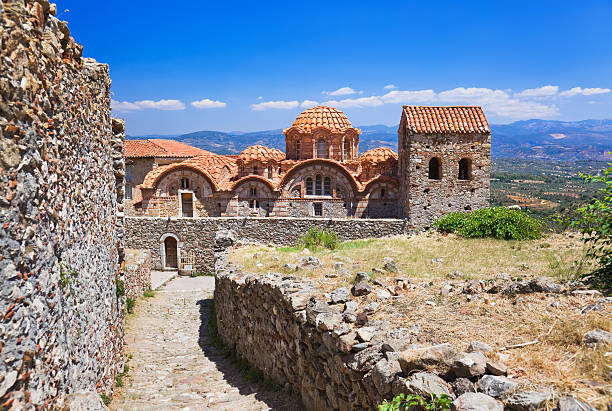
(177, 167)
(327, 167)
(264, 184)
(391, 186)
(197, 179)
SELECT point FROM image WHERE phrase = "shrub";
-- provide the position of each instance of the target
(497, 222)
(130, 303)
(595, 222)
(403, 402)
(120, 287)
(316, 238)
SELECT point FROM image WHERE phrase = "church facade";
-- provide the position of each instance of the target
(443, 165)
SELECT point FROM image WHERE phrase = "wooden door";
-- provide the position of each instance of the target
(170, 246)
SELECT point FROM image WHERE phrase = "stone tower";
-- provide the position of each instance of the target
(444, 161)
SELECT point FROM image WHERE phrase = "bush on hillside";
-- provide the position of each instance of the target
(595, 222)
(496, 222)
(316, 238)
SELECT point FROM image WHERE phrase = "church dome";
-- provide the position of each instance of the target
(261, 153)
(378, 155)
(322, 116)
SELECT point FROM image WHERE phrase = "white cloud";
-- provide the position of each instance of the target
(126, 106)
(342, 91)
(260, 98)
(360, 102)
(390, 87)
(409, 96)
(309, 103)
(462, 94)
(558, 136)
(208, 103)
(282, 105)
(584, 91)
(544, 91)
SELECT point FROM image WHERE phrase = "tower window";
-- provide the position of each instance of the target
(309, 186)
(435, 169)
(321, 149)
(184, 183)
(465, 169)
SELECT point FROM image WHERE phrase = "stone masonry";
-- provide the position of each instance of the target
(61, 183)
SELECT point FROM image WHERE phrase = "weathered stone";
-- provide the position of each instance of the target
(362, 319)
(496, 387)
(340, 295)
(446, 290)
(361, 288)
(84, 401)
(350, 307)
(327, 321)
(291, 267)
(476, 401)
(573, 404)
(479, 346)
(594, 338)
(362, 277)
(425, 383)
(468, 365)
(345, 343)
(434, 357)
(314, 308)
(389, 265)
(349, 317)
(528, 401)
(496, 368)
(371, 308)
(382, 295)
(383, 374)
(534, 285)
(462, 385)
(224, 238)
(308, 262)
(365, 334)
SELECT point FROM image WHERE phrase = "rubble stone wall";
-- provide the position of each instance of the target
(137, 273)
(61, 183)
(197, 235)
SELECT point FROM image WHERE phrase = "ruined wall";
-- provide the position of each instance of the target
(137, 272)
(197, 235)
(61, 175)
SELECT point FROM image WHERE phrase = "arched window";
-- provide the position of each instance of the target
(309, 186)
(465, 169)
(253, 191)
(184, 183)
(270, 172)
(339, 193)
(255, 170)
(298, 149)
(347, 149)
(318, 185)
(382, 193)
(327, 186)
(435, 169)
(321, 149)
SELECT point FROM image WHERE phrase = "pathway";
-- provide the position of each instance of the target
(173, 367)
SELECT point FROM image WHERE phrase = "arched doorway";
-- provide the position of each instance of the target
(171, 252)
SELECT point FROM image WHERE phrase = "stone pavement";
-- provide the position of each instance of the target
(173, 367)
(161, 278)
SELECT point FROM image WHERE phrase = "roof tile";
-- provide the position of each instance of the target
(442, 119)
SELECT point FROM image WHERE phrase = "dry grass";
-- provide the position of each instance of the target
(559, 359)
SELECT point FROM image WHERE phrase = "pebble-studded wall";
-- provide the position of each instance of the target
(61, 173)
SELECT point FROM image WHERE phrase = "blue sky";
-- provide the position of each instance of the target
(198, 65)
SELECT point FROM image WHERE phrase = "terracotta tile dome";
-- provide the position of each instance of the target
(378, 155)
(261, 153)
(322, 116)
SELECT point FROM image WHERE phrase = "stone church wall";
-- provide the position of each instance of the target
(197, 235)
(61, 175)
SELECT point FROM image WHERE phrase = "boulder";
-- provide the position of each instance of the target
(479, 346)
(349, 317)
(382, 295)
(594, 338)
(291, 267)
(496, 368)
(365, 334)
(350, 307)
(308, 262)
(446, 290)
(496, 387)
(327, 321)
(462, 385)
(361, 288)
(476, 401)
(362, 277)
(224, 238)
(314, 308)
(383, 374)
(370, 308)
(528, 401)
(425, 383)
(468, 365)
(362, 319)
(340, 295)
(389, 265)
(434, 357)
(84, 401)
(572, 404)
(535, 285)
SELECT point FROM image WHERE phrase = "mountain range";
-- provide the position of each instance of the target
(528, 139)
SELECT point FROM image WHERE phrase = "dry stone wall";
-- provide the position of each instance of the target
(61, 181)
(137, 273)
(196, 236)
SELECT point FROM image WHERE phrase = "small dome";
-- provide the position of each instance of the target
(261, 153)
(322, 116)
(378, 155)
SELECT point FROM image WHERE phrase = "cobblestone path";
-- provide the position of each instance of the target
(173, 367)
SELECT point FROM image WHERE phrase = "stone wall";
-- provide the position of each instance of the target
(137, 273)
(196, 235)
(61, 175)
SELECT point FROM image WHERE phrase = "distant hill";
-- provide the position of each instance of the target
(529, 139)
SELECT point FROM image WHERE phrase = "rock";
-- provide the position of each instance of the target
(535, 285)
(446, 290)
(360, 346)
(378, 271)
(338, 265)
(224, 238)
(496, 368)
(476, 401)
(8, 381)
(340, 295)
(425, 383)
(365, 334)
(572, 404)
(389, 265)
(468, 365)
(361, 288)
(371, 308)
(290, 267)
(433, 357)
(344, 272)
(528, 401)
(83, 401)
(308, 262)
(327, 321)
(479, 346)
(437, 260)
(496, 387)
(383, 374)
(331, 275)
(598, 305)
(594, 338)
(314, 308)
(362, 277)
(586, 292)
(473, 287)
(345, 343)
(350, 306)
(455, 275)
(362, 319)
(462, 385)
(382, 295)
(341, 329)
(349, 317)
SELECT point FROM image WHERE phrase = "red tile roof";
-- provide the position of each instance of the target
(378, 155)
(442, 119)
(261, 153)
(322, 116)
(158, 147)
